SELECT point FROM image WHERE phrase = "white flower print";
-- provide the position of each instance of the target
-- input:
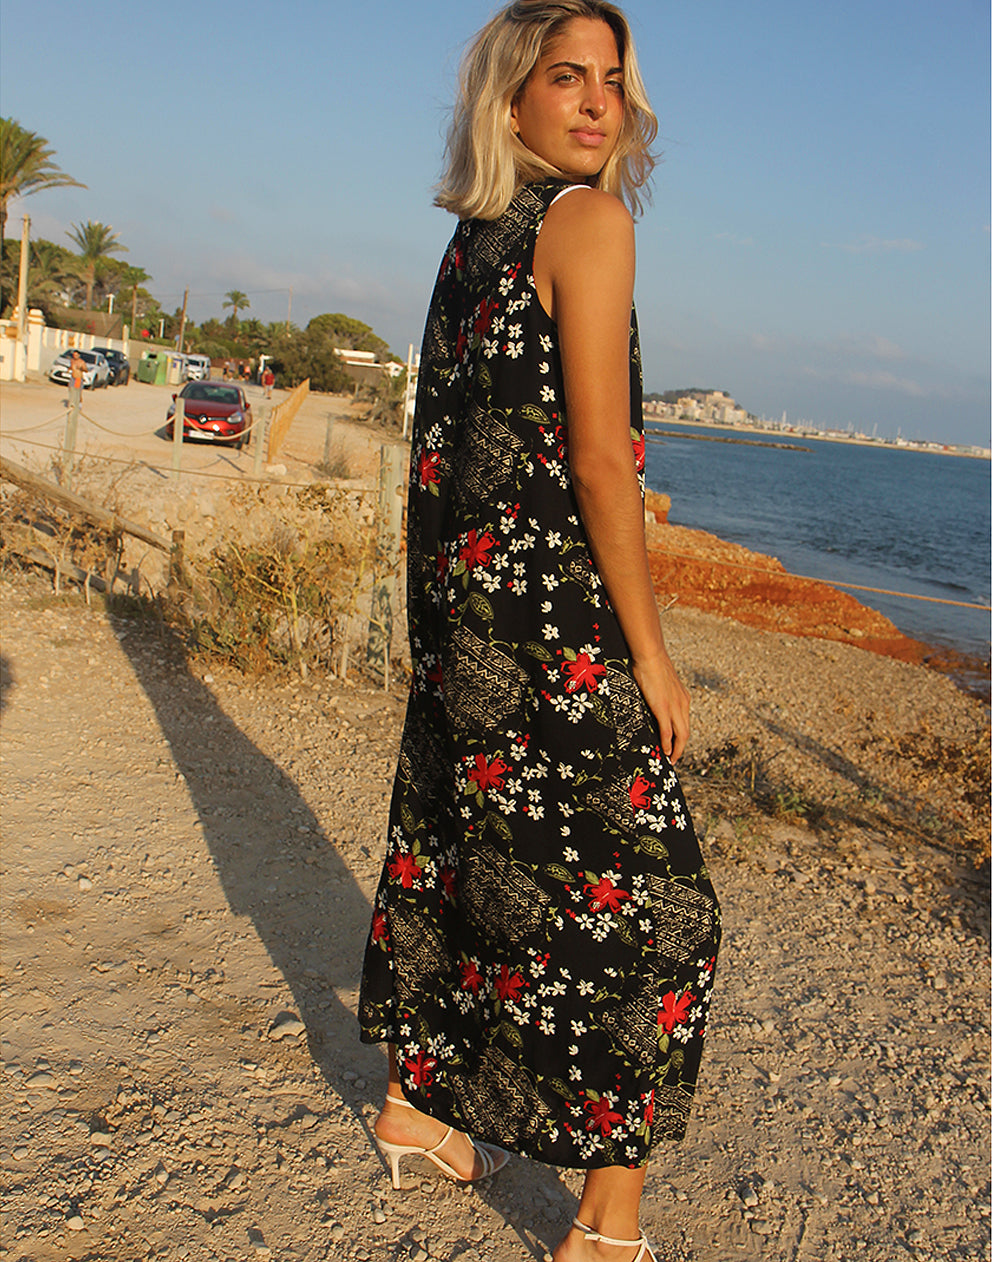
(550, 632)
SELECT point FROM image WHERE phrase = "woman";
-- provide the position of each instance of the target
(544, 934)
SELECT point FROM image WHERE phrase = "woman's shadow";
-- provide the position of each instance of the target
(278, 866)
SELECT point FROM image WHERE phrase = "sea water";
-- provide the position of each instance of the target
(907, 521)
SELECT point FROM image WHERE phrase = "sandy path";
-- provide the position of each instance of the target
(190, 856)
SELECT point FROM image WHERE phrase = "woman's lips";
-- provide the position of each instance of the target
(591, 138)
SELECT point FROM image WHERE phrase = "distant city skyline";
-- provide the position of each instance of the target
(819, 238)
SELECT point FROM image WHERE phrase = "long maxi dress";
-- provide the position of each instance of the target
(544, 935)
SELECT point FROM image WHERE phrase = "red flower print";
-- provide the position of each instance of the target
(378, 926)
(422, 1069)
(583, 672)
(471, 977)
(601, 1116)
(429, 462)
(404, 869)
(508, 986)
(476, 550)
(484, 317)
(674, 1010)
(649, 1111)
(442, 564)
(434, 674)
(638, 444)
(605, 894)
(448, 881)
(639, 793)
(461, 345)
(488, 774)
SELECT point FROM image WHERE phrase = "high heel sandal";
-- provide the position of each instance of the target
(644, 1254)
(492, 1159)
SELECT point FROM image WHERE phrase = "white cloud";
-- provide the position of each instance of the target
(733, 238)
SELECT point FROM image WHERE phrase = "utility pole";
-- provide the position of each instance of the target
(182, 319)
(22, 287)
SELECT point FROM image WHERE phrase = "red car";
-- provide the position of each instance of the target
(215, 410)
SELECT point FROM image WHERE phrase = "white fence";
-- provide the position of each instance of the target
(43, 345)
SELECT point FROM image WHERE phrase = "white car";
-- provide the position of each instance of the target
(95, 373)
(197, 367)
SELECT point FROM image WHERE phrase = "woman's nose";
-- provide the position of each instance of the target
(595, 102)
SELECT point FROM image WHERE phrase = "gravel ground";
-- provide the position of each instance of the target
(189, 859)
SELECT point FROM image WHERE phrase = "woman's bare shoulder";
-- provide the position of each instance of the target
(586, 210)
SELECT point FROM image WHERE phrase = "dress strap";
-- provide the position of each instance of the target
(566, 190)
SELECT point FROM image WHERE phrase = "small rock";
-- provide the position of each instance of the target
(208, 679)
(75, 1223)
(762, 1227)
(101, 1139)
(419, 1254)
(337, 1231)
(42, 1078)
(378, 1215)
(19, 1153)
(235, 1180)
(84, 883)
(286, 1024)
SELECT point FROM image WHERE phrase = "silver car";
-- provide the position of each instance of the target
(96, 371)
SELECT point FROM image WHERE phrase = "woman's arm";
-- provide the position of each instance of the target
(584, 270)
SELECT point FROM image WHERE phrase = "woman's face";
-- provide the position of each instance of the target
(570, 110)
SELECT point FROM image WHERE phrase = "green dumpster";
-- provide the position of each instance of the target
(153, 368)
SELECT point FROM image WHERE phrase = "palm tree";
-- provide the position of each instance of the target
(26, 166)
(95, 241)
(133, 277)
(237, 300)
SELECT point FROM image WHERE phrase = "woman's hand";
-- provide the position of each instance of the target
(667, 699)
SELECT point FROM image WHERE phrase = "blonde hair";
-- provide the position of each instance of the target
(486, 162)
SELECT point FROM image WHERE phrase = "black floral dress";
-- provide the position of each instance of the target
(544, 935)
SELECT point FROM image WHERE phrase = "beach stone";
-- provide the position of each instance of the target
(75, 1223)
(42, 1078)
(84, 883)
(337, 1231)
(101, 1139)
(286, 1025)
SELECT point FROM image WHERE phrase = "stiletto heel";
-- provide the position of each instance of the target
(644, 1254)
(492, 1159)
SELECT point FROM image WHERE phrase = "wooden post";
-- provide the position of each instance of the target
(387, 554)
(178, 579)
(259, 438)
(178, 421)
(69, 445)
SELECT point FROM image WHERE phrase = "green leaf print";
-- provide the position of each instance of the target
(559, 873)
(407, 819)
(624, 931)
(498, 824)
(480, 606)
(511, 1034)
(652, 846)
(538, 651)
(561, 1088)
(531, 412)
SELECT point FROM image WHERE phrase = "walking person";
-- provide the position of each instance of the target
(268, 381)
(544, 935)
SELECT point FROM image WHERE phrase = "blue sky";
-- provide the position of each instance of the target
(818, 242)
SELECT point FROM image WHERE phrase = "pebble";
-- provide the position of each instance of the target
(75, 1223)
(337, 1231)
(84, 883)
(101, 1139)
(42, 1078)
(286, 1025)
(378, 1215)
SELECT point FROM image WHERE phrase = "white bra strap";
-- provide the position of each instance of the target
(567, 190)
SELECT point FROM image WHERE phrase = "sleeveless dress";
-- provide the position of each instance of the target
(544, 934)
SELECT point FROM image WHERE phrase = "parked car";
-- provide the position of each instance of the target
(120, 369)
(96, 373)
(197, 367)
(215, 410)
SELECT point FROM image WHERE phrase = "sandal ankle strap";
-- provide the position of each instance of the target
(398, 1099)
(596, 1235)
